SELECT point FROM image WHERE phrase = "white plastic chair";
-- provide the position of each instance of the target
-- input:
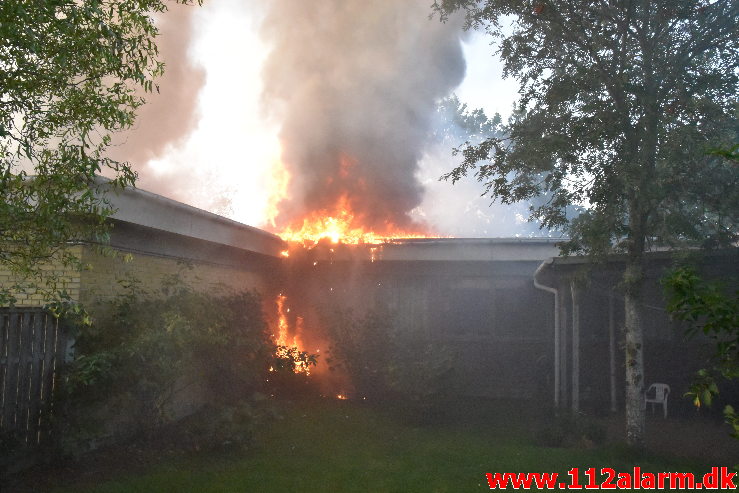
(657, 394)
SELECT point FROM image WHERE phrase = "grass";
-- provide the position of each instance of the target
(343, 446)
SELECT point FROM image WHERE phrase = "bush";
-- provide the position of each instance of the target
(149, 359)
(386, 363)
(290, 373)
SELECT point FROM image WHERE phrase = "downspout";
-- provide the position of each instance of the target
(552, 290)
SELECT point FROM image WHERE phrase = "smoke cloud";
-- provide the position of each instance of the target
(355, 85)
(170, 114)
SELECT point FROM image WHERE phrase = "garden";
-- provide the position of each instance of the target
(122, 423)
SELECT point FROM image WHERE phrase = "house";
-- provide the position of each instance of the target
(588, 348)
(523, 322)
(152, 239)
(475, 297)
(492, 303)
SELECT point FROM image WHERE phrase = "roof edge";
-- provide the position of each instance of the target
(137, 206)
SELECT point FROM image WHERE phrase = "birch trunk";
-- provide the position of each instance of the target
(634, 357)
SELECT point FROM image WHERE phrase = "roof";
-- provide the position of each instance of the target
(472, 249)
(136, 206)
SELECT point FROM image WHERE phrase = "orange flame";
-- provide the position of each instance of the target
(286, 347)
(338, 224)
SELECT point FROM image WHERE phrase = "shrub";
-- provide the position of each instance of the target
(386, 363)
(290, 373)
(145, 351)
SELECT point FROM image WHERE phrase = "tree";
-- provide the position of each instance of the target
(620, 102)
(71, 73)
(457, 123)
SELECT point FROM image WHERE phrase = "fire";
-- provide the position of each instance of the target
(282, 325)
(287, 347)
(339, 223)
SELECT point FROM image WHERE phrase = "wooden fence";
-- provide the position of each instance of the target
(32, 348)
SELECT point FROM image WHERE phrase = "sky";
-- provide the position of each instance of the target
(224, 164)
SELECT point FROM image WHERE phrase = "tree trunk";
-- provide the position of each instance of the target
(634, 355)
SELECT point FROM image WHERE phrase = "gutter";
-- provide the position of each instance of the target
(553, 291)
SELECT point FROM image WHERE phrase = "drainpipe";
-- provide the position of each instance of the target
(552, 290)
(612, 350)
(575, 345)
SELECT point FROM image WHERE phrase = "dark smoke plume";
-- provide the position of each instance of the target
(169, 115)
(355, 84)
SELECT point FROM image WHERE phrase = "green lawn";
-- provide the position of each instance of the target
(337, 446)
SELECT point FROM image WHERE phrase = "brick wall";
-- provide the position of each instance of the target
(104, 276)
(67, 278)
(104, 272)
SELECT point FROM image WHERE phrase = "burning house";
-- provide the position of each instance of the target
(488, 302)
(474, 297)
(357, 107)
(521, 322)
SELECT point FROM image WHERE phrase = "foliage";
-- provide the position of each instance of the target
(361, 347)
(147, 348)
(732, 419)
(385, 362)
(290, 372)
(731, 153)
(72, 73)
(708, 308)
(292, 360)
(620, 104)
(458, 122)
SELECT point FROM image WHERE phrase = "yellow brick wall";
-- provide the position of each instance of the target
(99, 278)
(104, 275)
(67, 278)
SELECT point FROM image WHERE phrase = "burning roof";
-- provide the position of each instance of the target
(355, 85)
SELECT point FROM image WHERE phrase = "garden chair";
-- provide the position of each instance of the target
(657, 394)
